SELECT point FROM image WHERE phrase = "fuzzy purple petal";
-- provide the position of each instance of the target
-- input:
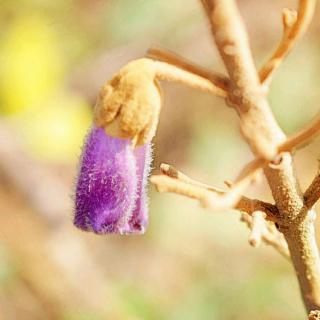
(139, 219)
(107, 184)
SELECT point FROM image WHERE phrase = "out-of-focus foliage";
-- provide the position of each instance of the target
(54, 56)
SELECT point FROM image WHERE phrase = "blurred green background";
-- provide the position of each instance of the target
(191, 264)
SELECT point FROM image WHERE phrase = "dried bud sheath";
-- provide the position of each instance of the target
(129, 104)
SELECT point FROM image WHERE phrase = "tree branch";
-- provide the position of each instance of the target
(312, 194)
(168, 72)
(264, 136)
(257, 124)
(261, 230)
(303, 137)
(172, 172)
(174, 181)
(256, 118)
(294, 25)
(174, 59)
(257, 228)
(224, 200)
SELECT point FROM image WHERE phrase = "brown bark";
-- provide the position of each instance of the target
(263, 134)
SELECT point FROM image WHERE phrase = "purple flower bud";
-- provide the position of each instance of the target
(111, 187)
(139, 218)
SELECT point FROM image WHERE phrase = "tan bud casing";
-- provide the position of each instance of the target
(128, 105)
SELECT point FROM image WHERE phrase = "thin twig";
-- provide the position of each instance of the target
(250, 172)
(210, 197)
(303, 137)
(312, 194)
(296, 141)
(222, 200)
(257, 228)
(167, 184)
(174, 59)
(172, 172)
(295, 24)
(261, 230)
(168, 72)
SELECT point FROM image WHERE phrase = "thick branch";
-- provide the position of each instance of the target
(257, 122)
(264, 137)
(305, 257)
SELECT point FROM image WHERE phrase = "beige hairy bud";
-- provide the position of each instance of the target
(128, 105)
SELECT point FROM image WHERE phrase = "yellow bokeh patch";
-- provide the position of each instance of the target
(56, 131)
(31, 66)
